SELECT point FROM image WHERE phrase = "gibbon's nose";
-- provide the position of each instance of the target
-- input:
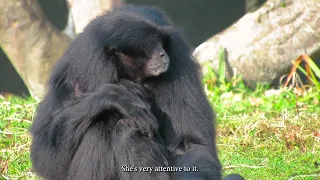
(164, 56)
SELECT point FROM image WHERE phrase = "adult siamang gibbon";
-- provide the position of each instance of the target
(126, 97)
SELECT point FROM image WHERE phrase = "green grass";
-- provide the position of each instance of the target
(269, 137)
(261, 147)
(261, 134)
(265, 133)
(15, 119)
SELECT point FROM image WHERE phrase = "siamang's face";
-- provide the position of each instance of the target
(156, 60)
(144, 59)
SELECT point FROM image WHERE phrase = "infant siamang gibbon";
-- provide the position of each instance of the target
(126, 94)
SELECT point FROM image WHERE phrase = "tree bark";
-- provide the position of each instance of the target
(83, 11)
(31, 43)
(262, 45)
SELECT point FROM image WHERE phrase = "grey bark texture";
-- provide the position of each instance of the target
(83, 11)
(33, 44)
(262, 45)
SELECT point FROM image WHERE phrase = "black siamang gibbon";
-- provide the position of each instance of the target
(125, 100)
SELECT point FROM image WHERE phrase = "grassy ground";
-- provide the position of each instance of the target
(261, 139)
(262, 134)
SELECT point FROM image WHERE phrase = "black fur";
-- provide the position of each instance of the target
(83, 140)
(233, 177)
(92, 135)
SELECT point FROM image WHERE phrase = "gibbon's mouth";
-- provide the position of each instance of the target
(155, 71)
(159, 69)
(163, 66)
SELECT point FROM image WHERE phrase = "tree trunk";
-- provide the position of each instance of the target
(83, 11)
(31, 43)
(262, 45)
